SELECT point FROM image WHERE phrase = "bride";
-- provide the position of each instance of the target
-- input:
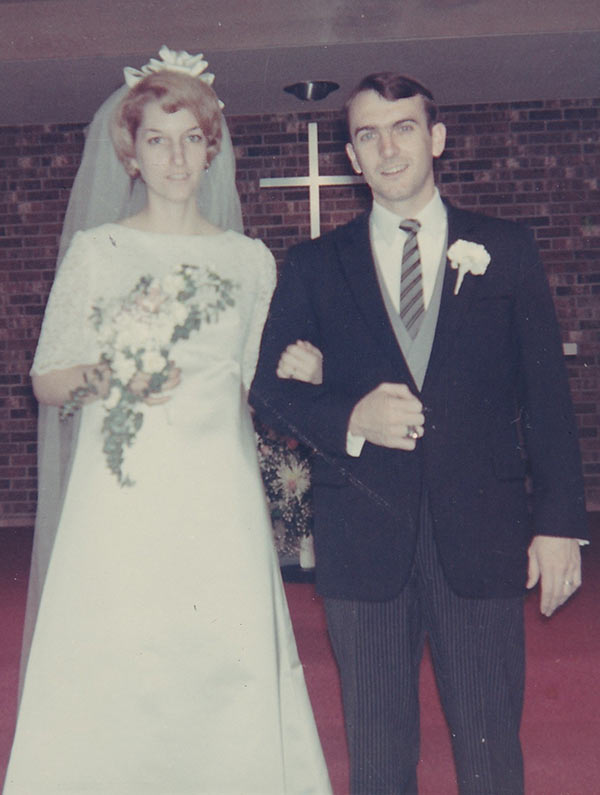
(163, 658)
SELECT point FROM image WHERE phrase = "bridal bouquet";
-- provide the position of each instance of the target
(286, 477)
(136, 334)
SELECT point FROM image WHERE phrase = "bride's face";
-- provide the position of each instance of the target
(170, 153)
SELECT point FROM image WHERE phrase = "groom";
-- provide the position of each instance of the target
(442, 366)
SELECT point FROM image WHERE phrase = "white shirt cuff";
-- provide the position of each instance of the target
(354, 444)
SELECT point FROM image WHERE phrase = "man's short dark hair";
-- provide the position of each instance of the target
(392, 86)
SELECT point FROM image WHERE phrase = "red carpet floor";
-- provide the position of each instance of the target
(561, 724)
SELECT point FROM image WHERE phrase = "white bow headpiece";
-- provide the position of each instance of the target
(173, 61)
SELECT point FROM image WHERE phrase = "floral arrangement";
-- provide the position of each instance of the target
(286, 476)
(136, 334)
(467, 257)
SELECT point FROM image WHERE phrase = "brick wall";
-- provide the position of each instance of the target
(37, 167)
(537, 162)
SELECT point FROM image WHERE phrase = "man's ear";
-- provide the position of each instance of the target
(438, 138)
(352, 158)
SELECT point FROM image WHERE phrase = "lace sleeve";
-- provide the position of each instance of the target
(67, 337)
(265, 284)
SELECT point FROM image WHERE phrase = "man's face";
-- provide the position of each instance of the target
(393, 147)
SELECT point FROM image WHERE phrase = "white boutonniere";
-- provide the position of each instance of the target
(467, 257)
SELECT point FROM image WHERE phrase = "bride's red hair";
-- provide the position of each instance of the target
(174, 91)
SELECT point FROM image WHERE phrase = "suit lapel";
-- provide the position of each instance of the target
(356, 261)
(453, 308)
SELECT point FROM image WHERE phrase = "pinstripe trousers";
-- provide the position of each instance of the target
(477, 647)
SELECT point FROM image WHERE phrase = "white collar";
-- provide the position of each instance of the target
(432, 218)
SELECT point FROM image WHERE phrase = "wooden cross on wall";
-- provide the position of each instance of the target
(313, 181)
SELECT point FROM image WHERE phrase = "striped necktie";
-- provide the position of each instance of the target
(412, 305)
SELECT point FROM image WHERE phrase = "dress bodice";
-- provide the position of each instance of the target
(107, 262)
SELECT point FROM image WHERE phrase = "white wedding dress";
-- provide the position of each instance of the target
(163, 659)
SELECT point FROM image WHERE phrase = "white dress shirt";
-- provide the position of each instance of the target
(387, 244)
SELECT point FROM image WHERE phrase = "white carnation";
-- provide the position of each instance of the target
(153, 362)
(161, 331)
(467, 257)
(180, 314)
(123, 367)
(173, 284)
(132, 333)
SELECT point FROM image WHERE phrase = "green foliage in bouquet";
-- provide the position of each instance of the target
(136, 334)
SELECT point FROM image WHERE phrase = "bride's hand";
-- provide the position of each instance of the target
(140, 384)
(301, 361)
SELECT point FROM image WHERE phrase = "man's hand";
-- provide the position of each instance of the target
(557, 563)
(386, 415)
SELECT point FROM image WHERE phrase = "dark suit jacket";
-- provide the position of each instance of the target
(496, 378)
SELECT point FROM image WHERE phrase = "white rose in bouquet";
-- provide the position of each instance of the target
(153, 362)
(123, 367)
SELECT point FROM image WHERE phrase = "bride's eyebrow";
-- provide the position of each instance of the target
(162, 132)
